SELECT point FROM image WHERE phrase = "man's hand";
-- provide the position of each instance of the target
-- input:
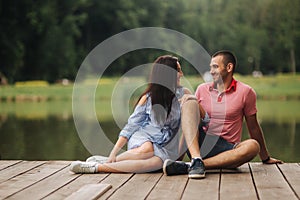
(273, 161)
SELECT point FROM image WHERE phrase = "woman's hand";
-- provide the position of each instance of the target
(187, 97)
(112, 158)
(113, 154)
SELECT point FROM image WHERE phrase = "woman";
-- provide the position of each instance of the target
(151, 131)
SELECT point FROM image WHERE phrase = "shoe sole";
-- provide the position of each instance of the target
(98, 159)
(166, 163)
(196, 176)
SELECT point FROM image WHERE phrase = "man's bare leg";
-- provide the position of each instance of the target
(190, 119)
(190, 122)
(242, 153)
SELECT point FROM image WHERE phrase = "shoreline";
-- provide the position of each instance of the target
(43, 98)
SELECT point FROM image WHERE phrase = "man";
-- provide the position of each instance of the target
(226, 102)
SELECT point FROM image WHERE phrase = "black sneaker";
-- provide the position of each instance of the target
(197, 169)
(172, 167)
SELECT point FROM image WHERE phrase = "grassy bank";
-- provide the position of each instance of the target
(277, 87)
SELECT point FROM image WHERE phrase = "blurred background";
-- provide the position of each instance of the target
(43, 43)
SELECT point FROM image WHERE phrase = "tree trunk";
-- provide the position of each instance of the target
(293, 61)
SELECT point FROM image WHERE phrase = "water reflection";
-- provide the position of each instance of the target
(52, 134)
(281, 139)
(40, 139)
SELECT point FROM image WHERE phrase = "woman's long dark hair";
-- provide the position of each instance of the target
(162, 86)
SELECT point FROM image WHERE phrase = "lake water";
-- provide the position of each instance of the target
(46, 131)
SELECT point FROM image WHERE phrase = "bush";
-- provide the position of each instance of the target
(36, 83)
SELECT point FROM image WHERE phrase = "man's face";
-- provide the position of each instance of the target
(217, 69)
(179, 73)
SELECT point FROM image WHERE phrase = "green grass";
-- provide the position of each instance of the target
(279, 87)
(51, 92)
(38, 101)
(282, 86)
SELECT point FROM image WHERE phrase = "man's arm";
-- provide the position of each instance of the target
(256, 133)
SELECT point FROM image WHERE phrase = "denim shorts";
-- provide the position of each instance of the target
(211, 145)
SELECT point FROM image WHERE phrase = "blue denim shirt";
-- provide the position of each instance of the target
(142, 120)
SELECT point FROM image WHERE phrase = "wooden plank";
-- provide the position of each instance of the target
(90, 191)
(291, 172)
(24, 180)
(17, 169)
(203, 189)
(270, 183)
(169, 187)
(47, 186)
(138, 187)
(116, 181)
(237, 184)
(52, 180)
(75, 185)
(7, 163)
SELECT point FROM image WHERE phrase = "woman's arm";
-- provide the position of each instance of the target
(118, 146)
(136, 119)
(134, 122)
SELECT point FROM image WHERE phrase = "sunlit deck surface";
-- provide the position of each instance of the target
(52, 180)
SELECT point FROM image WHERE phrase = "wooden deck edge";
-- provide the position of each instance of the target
(90, 191)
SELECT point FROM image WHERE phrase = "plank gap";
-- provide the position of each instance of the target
(23, 172)
(186, 183)
(253, 181)
(270, 183)
(154, 186)
(67, 183)
(120, 186)
(219, 186)
(12, 164)
(285, 178)
(36, 182)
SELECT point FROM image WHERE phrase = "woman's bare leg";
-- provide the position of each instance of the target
(144, 151)
(132, 166)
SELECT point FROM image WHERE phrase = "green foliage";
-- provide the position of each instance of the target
(48, 40)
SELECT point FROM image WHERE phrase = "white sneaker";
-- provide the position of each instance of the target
(79, 167)
(97, 159)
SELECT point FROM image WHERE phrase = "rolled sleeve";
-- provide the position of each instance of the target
(135, 121)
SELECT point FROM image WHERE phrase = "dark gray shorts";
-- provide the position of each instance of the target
(211, 145)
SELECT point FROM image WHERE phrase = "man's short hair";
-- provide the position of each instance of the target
(228, 57)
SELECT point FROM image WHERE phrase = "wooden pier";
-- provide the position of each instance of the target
(52, 180)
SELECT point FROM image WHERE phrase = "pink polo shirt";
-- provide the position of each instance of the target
(227, 109)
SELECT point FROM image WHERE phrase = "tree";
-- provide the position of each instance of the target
(282, 23)
(49, 39)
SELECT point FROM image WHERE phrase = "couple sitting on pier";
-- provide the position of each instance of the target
(211, 123)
